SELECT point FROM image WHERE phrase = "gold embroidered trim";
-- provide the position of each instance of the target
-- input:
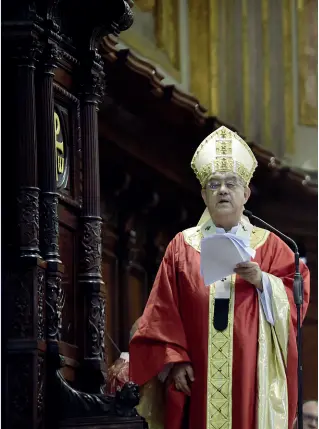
(223, 133)
(223, 164)
(272, 360)
(223, 147)
(220, 362)
(204, 174)
(258, 237)
(220, 345)
(193, 236)
(242, 172)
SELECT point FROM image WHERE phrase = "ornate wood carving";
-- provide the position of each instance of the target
(91, 89)
(41, 304)
(96, 333)
(40, 392)
(22, 296)
(53, 296)
(28, 209)
(79, 404)
(24, 285)
(19, 375)
(49, 196)
(47, 167)
(35, 297)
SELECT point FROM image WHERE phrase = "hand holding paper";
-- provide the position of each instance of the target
(220, 253)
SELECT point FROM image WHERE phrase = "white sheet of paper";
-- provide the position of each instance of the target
(220, 254)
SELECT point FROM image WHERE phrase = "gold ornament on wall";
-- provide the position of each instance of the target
(156, 34)
(145, 5)
(307, 15)
(167, 29)
(204, 43)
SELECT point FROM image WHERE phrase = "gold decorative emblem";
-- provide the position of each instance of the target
(60, 152)
(223, 147)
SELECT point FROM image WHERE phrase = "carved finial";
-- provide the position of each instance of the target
(126, 20)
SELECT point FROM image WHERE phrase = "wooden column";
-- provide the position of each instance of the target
(90, 275)
(25, 285)
(49, 221)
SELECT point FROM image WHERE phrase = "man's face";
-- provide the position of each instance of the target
(225, 196)
(310, 415)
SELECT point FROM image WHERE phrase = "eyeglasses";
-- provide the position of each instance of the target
(310, 417)
(214, 185)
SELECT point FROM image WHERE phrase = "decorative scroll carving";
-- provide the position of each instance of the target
(49, 225)
(126, 20)
(50, 56)
(27, 52)
(21, 292)
(96, 327)
(28, 201)
(91, 244)
(54, 305)
(92, 86)
(72, 403)
(20, 391)
(49, 10)
(75, 403)
(126, 399)
(41, 320)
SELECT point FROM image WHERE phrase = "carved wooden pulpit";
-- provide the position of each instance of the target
(53, 84)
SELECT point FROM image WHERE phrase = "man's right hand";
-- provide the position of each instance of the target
(182, 374)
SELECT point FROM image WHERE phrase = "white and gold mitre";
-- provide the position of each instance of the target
(223, 151)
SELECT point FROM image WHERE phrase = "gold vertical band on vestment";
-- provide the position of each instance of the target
(288, 76)
(266, 73)
(245, 50)
(220, 363)
(272, 397)
(213, 57)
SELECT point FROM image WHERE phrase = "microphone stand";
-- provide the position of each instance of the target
(298, 298)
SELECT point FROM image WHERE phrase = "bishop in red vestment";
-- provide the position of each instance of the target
(193, 373)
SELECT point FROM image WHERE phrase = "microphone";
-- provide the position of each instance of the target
(298, 280)
(298, 298)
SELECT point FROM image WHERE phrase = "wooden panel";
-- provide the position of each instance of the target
(135, 298)
(72, 314)
(310, 361)
(67, 253)
(110, 278)
(110, 274)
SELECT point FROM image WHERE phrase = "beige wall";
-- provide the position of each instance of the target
(142, 38)
(241, 61)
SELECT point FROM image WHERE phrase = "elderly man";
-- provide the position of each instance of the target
(227, 352)
(310, 415)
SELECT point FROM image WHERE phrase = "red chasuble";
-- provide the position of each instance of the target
(245, 377)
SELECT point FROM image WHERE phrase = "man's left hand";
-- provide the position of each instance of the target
(251, 272)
